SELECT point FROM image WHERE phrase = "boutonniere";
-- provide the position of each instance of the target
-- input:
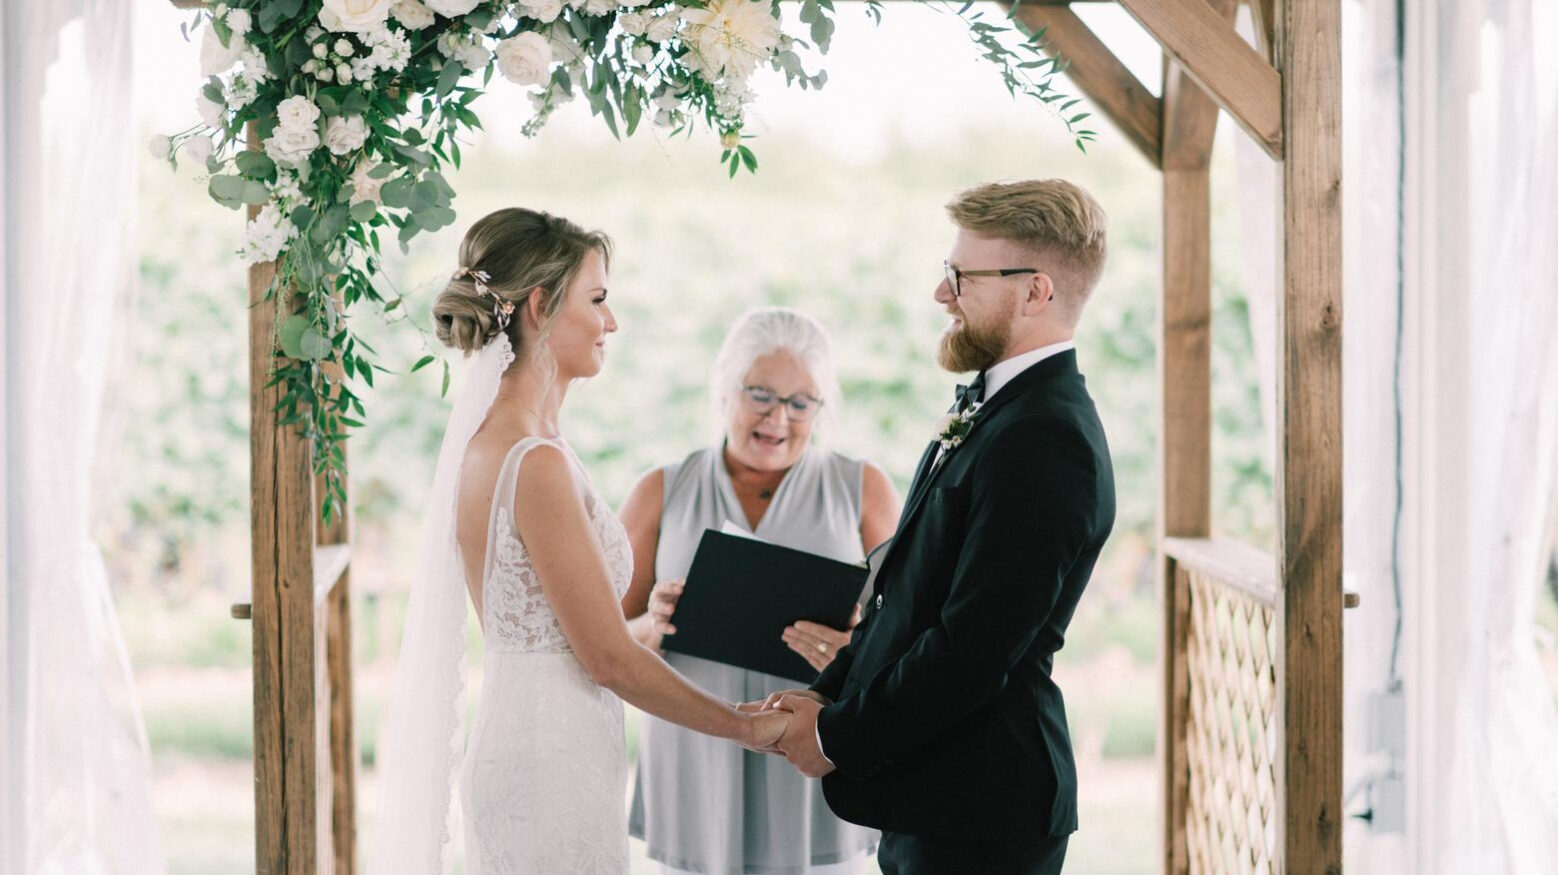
(954, 427)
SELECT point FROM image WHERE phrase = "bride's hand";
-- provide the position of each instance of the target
(764, 729)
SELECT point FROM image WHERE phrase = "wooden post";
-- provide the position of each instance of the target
(282, 516)
(1309, 461)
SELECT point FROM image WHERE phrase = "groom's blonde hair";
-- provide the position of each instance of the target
(1057, 221)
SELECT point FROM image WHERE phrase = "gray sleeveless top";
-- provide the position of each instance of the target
(704, 804)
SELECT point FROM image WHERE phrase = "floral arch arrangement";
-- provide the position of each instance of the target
(358, 105)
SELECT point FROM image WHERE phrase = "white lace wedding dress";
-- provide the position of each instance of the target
(544, 780)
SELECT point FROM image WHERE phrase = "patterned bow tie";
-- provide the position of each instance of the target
(971, 394)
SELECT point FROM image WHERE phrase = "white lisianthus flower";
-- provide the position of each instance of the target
(254, 65)
(541, 10)
(393, 52)
(267, 235)
(291, 146)
(467, 49)
(663, 26)
(354, 16)
(215, 58)
(211, 112)
(600, 7)
(412, 14)
(286, 187)
(362, 69)
(345, 134)
(525, 59)
(633, 23)
(238, 21)
(297, 111)
(364, 186)
(643, 53)
(452, 8)
(240, 92)
(730, 37)
(159, 146)
(198, 149)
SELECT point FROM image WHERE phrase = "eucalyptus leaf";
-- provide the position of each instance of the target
(255, 193)
(313, 344)
(363, 211)
(396, 193)
(255, 164)
(290, 336)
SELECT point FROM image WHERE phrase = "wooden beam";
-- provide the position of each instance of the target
(1112, 88)
(1232, 563)
(1174, 720)
(1189, 113)
(1309, 475)
(1220, 61)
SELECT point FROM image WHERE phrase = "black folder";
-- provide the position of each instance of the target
(741, 593)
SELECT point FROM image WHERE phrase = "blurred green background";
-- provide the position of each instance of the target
(854, 236)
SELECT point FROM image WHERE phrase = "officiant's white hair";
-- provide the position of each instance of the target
(768, 330)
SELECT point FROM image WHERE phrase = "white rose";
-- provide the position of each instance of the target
(364, 186)
(325, 74)
(662, 27)
(321, 50)
(297, 111)
(354, 16)
(216, 58)
(541, 10)
(343, 73)
(291, 146)
(159, 145)
(525, 59)
(633, 23)
(345, 134)
(198, 149)
(412, 14)
(238, 21)
(643, 53)
(211, 112)
(344, 47)
(599, 7)
(452, 8)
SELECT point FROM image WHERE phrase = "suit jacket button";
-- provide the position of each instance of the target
(879, 602)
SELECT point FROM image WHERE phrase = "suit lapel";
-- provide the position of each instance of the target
(1058, 365)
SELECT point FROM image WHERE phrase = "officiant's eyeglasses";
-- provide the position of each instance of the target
(761, 400)
(955, 276)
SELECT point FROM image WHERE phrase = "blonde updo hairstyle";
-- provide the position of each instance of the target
(521, 252)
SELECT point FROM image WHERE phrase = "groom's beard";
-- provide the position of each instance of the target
(972, 348)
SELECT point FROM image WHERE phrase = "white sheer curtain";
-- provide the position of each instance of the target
(1450, 361)
(77, 769)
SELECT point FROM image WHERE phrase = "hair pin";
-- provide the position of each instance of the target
(502, 309)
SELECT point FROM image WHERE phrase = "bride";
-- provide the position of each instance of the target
(514, 521)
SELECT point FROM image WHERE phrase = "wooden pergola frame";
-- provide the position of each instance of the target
(1250, 741)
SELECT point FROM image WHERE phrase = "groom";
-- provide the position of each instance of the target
(939, 723)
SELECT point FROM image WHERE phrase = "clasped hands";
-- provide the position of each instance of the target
(786, 723)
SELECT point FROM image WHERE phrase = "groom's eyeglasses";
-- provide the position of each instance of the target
(955, 276)
(761, 400)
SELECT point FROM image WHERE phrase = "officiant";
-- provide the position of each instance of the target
(703, 805)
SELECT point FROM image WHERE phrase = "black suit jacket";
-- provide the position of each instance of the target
(945, 722)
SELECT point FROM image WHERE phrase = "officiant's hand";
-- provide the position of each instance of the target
(662, 604)
(799, 741)
(816, 643)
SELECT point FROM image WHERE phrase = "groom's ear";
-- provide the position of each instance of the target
(1040, 293)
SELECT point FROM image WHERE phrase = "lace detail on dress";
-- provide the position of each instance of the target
(518, 617)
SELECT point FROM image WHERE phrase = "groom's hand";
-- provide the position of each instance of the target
(773, 699)
(799, 741)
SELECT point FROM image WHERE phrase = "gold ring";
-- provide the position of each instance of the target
(822, 648)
